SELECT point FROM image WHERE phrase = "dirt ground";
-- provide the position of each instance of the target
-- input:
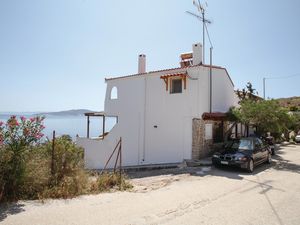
(200, 195)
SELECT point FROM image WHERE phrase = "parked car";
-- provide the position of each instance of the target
(297, 138)
(245, 153)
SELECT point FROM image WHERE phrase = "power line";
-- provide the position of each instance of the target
(273, 78)
(283, 77)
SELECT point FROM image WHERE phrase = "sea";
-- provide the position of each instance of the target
(70, 125)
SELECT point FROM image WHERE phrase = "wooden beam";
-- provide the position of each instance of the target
(88, 127)
(184, 81)
(103, 126)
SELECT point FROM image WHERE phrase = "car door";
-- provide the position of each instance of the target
(264, 150)
(257, 154)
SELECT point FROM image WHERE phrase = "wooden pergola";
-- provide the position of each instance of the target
(215, 116)
(95, 114)
(166, 78)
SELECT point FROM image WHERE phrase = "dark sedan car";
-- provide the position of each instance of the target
(245, 153)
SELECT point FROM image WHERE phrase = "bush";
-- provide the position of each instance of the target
(108, 181)
(32, 170)
(67, 175)
(16, 138)
(68, 187)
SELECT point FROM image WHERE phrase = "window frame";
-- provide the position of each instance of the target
(171, 85)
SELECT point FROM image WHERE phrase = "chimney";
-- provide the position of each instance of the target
(142, 63)
(197, 54)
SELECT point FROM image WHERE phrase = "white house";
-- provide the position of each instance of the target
(163, 116)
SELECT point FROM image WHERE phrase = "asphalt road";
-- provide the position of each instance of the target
(271, 195)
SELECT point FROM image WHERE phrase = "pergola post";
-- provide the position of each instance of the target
(88, 127)
(103, 125)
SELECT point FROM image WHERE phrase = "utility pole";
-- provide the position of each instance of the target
(210, 81)
(264, 87)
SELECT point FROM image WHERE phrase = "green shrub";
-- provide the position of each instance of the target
(67, 177)
(16, 138)
(32, 170)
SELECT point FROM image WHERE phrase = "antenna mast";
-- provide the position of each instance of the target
(204, 21)
(201, 17)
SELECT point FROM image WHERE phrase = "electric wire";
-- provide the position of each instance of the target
(283, 77)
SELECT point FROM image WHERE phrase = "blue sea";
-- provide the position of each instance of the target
(71, 125)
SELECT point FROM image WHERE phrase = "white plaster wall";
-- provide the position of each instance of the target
(143, 103)
(129, 107)
(168, 143)
(223, 91)
(97, 152)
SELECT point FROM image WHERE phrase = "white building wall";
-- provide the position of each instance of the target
(129, 107)
(168, 142)
(156, 126)
(223, 91)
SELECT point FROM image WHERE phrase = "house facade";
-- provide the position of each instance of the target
(163, 116)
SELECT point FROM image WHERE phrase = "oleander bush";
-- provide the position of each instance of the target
(35, 169)
(17, 138)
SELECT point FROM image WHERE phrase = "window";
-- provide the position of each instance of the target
(176, 86)
(258, 143)
(114, 93)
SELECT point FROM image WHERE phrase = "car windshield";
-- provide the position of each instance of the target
(242, 145)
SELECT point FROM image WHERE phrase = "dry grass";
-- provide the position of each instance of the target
(110, 181)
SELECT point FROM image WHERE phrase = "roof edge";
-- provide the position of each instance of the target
(176, 68)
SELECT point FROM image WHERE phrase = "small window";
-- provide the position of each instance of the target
(114, 93)
(176, 86)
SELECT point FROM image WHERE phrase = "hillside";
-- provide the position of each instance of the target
(72, 112)
(293, 102)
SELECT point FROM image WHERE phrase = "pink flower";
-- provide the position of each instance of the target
(32, 119)
(23, 118)
(38, 136)
(1, 123)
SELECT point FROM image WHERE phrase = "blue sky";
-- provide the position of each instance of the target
(55, 54)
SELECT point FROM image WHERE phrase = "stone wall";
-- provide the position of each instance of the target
(200, 146)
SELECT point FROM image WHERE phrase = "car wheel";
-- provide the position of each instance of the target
(269, 159)
(250, 166)
(215, 165)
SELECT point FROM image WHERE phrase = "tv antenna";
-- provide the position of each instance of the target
(201, 17)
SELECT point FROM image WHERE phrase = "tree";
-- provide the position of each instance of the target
(247, 93)
(265, 115)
